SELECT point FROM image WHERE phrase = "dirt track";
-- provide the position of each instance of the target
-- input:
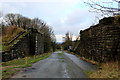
(57, 66)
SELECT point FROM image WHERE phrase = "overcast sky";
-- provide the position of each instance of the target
(61, 15)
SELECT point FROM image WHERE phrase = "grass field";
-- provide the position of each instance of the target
(12, 67)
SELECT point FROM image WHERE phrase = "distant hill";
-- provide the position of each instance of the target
(59, 42)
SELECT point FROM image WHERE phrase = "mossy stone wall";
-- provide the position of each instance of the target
(26, 46)
(100, 42)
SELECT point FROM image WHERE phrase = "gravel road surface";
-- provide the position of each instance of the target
(57, 66)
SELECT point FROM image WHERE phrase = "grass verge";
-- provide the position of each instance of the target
(105, 70)
(12, 67)
(0, 47)
(87, 60)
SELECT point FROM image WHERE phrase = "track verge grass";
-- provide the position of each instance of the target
(14, 66)
(105, 70)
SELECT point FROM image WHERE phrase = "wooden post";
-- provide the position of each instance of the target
(92, 58)
(26, 59)
(34, 56)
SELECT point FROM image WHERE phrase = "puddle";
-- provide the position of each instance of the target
(33, 68)
(65, 72)
(24, 76)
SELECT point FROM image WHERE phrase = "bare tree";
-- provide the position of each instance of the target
(25, 22)
(9, 18)
(67, 40)
(103, 7)
(37, 23)
(18, 20)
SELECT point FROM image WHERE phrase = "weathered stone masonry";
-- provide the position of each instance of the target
(31, 43)
(101, 42)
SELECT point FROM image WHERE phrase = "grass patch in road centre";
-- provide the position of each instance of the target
(12, 67)
(60, 54)
(62, 61)
(61, 58)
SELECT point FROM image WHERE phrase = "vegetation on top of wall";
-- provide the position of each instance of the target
(8, 47)
(25, 23)
(9, 32)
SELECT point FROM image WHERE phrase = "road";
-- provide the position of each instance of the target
(57, 66)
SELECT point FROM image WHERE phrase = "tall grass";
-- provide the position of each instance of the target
(107, 70)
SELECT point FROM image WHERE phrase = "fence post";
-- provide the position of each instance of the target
(26, 59)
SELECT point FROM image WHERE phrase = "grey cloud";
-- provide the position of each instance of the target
(74, 22)
(79, 16)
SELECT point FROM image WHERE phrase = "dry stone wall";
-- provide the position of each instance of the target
(30, 44)
(100, 42)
